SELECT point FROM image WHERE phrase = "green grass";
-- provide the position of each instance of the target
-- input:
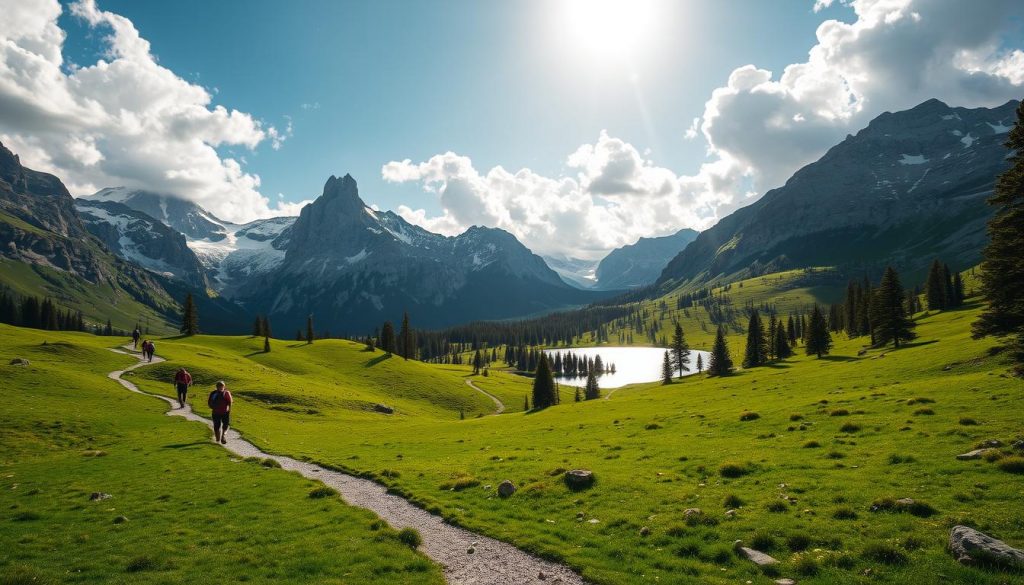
(182, 511)
(659, 450)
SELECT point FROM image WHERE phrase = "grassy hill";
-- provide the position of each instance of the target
(181, 511)
(832, 438)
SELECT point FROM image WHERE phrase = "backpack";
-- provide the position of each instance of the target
(215, 397)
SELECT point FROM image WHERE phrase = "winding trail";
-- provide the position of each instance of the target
(492, 563)
(499, 406)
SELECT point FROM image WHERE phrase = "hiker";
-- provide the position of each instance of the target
(135, 338)
(220, 402)
(182, 380)
(148, 349)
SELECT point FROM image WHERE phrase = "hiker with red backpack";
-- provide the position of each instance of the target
(219, 402)
(182, 380)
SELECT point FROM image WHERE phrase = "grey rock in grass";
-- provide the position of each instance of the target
(990, 444)
(755, 556)
(98, 496)
(578, 479)
(645, 531)
(506, 488)
(971, 546)
(692, 512)
(975, 454)
(19, 362)
(785, 581)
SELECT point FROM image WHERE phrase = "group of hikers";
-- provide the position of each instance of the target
(219, 399)
(148, 347)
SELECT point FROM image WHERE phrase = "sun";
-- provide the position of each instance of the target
(609, 29)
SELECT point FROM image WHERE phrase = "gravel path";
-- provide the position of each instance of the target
(499, 406)
(492, 562)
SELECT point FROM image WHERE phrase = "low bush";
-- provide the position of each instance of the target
(968, 421)
(896, 459)
(924, 412)
(849, 428)
(777, 506)
(839, 412)
(734, 469)
(410, 537)
(762, 541)
(883, 552)
(1012, 464)
(812, 445)
(844, 513)
(745, 416)
(732, 501)
(798, 542)
(805, 565)
(323, 492)
(796, 416)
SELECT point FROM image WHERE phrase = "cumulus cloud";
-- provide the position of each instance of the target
(123, 120)
(759, 129)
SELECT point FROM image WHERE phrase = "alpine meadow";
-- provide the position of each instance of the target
(589, 292)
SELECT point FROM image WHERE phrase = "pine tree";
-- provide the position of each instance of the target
(369, 343)
(1002, 274)
(958, 290)
(543, 385)
(266, 327)
(935, 287)
(666, 369)
(579, 395)
(266, 345)
(819, 341)
(721, 362)
(791, 331)
(405, 340)
(309, 329)
(592, 391)
(755, 351)
(257, 328)
(700, 363)
(387, 338)
(189, 317)
(850, 309)
(477, 362)
(781, 343)
(888, 316)
(680, 351)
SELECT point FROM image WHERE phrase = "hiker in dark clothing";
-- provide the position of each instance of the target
(135, 338)
(219, 402)
(182, 380)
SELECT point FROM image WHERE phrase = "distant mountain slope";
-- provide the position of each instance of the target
(182, 215)
(908, 188)
(574, 271)
(353, 267)
(641, 263)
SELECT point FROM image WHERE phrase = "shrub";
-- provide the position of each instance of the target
(410, 537)
(676, 530)
(796, 416)
(896, 459)
(689, 548)
(968, 421)
(920, 400)
(839, 412)
(805, 565)
(762, 541)
(777, 506)
(732, 501)
(798, 542)
(1013, 464)
(26, 516)
(840, 560)
(913, 507)
(835, 455)
(744, 416)
(720, 554)
(924, 412)
(323, 492)
(912, 543)
(844, 513)
(270, 463)
(812, 445)
(652, 426)
(992, 455)
(849, 428)
(733, 469)
(884, 552)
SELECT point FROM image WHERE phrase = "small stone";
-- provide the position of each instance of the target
(98, 496)
(578, 479)
(593, 521)
(730, 512)
(470, 550)
(755, 556)
(990, 444)
(579, 515)
(645, 531)
(19, 362)
(542, 576)
(692, 512)
(506, 488)
(975, 454)
(120, 520)
(969, 546)
(785, 581)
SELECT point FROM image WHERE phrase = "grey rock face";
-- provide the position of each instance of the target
(971, 546)
(180, 214)
(641, 263)
(908, 188)
(755, 556)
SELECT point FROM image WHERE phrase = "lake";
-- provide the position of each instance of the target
(633, 365)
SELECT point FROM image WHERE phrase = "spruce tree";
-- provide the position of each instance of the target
(477, 362)
(592, 391)
(309, 329)
(958, 290)
(405, 339)
(1002, 268)
(935, 287)
(700, 363)
(189, 317)
(543, 384)
(579, 395)
(387, 338)
(819, 340)
(266, 345)
(680, 351)
(721, 362)
(755, 351)
(666, 369)
(781, 343)
(888, 316)
(257, 328)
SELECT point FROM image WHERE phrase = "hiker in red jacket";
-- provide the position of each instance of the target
(220, 402)
(182, 380)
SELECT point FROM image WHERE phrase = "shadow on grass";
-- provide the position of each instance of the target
(376, 360)
(916, 344)
(185, 445)
(839, 358)
(773, 366)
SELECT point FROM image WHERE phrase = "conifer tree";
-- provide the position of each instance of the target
(935, 287)
(387, 338)
(888, 316)
(543, 384)
(189, 317)
(781, 343)
(477, 362)
(1002, 274)
(309, 329)
(369, 343)
(592, 391)
(680, 351)
(700, 363)
(257, 327)
(721, 362)
(266, 345)
(266, 327)
(850, 309)
(666, 369)
(958, 290)
(405, 340)
(819, 340)
(791, 331)
(579, 395)
(755, 351)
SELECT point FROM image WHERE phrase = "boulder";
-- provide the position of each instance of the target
(785, 581)
(383, 408)
(506, 488)
(97, 496)
(578, 479)
(692, 512)
(975, 454)
(755, 556)
(989, 444)
(645, 531)
(970, 546)
(19, 362)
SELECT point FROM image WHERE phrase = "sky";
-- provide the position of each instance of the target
(577, 125)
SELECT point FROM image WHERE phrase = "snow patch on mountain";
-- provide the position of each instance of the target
(912, 159)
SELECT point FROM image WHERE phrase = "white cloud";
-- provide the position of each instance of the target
(759, 130)
(123, 120)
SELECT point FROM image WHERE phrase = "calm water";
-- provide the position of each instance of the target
(633, 365)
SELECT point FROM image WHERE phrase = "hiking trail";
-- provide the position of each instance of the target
(499, 406)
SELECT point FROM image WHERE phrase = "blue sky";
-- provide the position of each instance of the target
(577, 125)
(393, 80)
